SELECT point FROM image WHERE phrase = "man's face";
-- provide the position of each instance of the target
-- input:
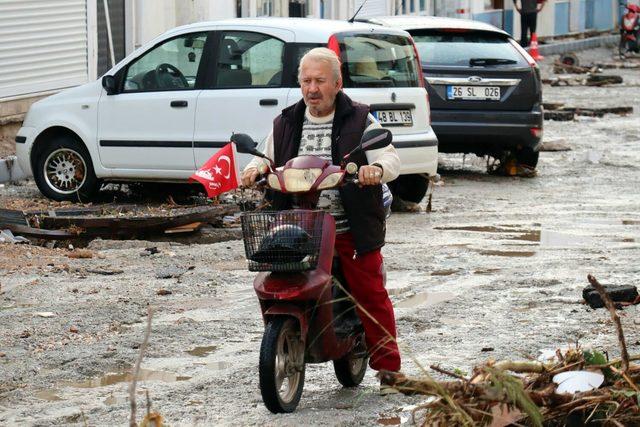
(319, 86)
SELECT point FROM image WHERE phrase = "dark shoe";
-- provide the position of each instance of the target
(386, 389)
(400, 205)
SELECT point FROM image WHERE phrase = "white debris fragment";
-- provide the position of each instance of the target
(45, 314)
(577, 381)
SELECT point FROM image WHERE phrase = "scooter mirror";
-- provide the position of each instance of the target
(372, 140)
(245, 144)
(375, 139)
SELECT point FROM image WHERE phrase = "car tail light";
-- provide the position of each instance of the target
(420, 75)
(334, 45)
(536, 132)
(421, 80)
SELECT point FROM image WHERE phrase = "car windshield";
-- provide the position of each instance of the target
(465, 48)
(379, 60)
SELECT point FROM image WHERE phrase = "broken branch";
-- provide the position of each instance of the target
(616, 320)
(136, 370)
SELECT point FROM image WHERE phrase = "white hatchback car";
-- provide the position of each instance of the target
(161, 112)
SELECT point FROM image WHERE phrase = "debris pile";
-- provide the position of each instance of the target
(558, 112)
(112, 221)
(576, 387)
(588, 80)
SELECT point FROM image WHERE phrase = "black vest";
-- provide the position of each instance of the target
(363, 206)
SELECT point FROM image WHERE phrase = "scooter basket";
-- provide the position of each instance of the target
(282, 241)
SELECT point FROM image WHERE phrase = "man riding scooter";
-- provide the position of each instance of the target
(327, 123)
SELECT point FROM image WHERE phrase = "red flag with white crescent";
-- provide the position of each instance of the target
(220, 173)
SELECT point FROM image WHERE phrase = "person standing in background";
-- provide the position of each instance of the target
(528, 10)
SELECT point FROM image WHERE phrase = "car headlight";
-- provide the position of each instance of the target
(331, 180)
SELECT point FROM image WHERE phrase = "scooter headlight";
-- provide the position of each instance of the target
(298, 180)
(331, 181)
(274, 183)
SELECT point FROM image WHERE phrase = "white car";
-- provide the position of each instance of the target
(164, 110)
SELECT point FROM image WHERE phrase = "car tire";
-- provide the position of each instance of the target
(411, 188)
(63, 170)
(527, 156)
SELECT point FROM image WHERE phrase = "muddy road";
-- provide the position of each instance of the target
(495, 271)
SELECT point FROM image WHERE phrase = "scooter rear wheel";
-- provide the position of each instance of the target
(281, 365)
(350, 369)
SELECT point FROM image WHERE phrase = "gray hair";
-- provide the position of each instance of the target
(325, 55)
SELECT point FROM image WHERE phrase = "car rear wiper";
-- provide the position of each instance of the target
(490, 61)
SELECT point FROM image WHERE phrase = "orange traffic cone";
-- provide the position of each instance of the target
(533, 48)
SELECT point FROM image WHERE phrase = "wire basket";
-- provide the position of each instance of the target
(282, 241)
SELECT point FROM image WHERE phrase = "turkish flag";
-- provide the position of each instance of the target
(220, 173)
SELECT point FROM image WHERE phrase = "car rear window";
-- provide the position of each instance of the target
(378, 60)
(459, 48)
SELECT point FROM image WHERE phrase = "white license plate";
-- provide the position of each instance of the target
(394, 117)
(491, 93)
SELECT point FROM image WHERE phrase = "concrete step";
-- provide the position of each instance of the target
(10, 170)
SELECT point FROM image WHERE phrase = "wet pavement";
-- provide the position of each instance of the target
(495, 271)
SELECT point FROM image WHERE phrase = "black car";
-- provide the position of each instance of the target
(484, 89)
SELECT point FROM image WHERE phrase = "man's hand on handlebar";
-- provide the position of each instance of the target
(249, 177)
(369, 175)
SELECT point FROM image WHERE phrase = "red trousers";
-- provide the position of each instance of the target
(364, 274)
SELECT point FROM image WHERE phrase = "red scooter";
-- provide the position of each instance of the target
(308, 315)
(630, 31)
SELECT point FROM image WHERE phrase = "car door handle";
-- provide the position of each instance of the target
(268, 102)
(179, 104)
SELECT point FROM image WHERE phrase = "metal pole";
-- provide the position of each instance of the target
(109, 36)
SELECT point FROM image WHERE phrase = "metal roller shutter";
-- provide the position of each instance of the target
(43, 45)
(371, 8)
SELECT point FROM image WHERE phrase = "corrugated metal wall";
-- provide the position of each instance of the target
(43, 45)
(371, 8)
(117, 20)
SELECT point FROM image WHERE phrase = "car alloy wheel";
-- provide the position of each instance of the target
(65, 171)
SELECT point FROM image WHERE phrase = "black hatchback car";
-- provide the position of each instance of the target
(484, 90)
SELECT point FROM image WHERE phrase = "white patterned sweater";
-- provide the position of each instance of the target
(316, 141)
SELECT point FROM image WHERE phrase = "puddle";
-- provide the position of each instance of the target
(48, 395)
(514, 254)
(218, 366)
(550, 238)
(122, 377)
(479, 228)
(390, 421)
(487, 271)
(426, 299)
(202, 351)
(528, 235)
(444, 272)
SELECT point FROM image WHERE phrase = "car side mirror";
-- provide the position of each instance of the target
(245, 144)
(109, 84)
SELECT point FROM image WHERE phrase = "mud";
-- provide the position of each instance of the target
(495, 271)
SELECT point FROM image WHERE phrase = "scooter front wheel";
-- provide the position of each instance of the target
(350, 369)
(281, 365)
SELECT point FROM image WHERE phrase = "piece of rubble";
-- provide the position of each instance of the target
(80, 254)
(171, 272)
(6, 236)
(617, 293)
(45, 314)
(163, 292)
(555, 144)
